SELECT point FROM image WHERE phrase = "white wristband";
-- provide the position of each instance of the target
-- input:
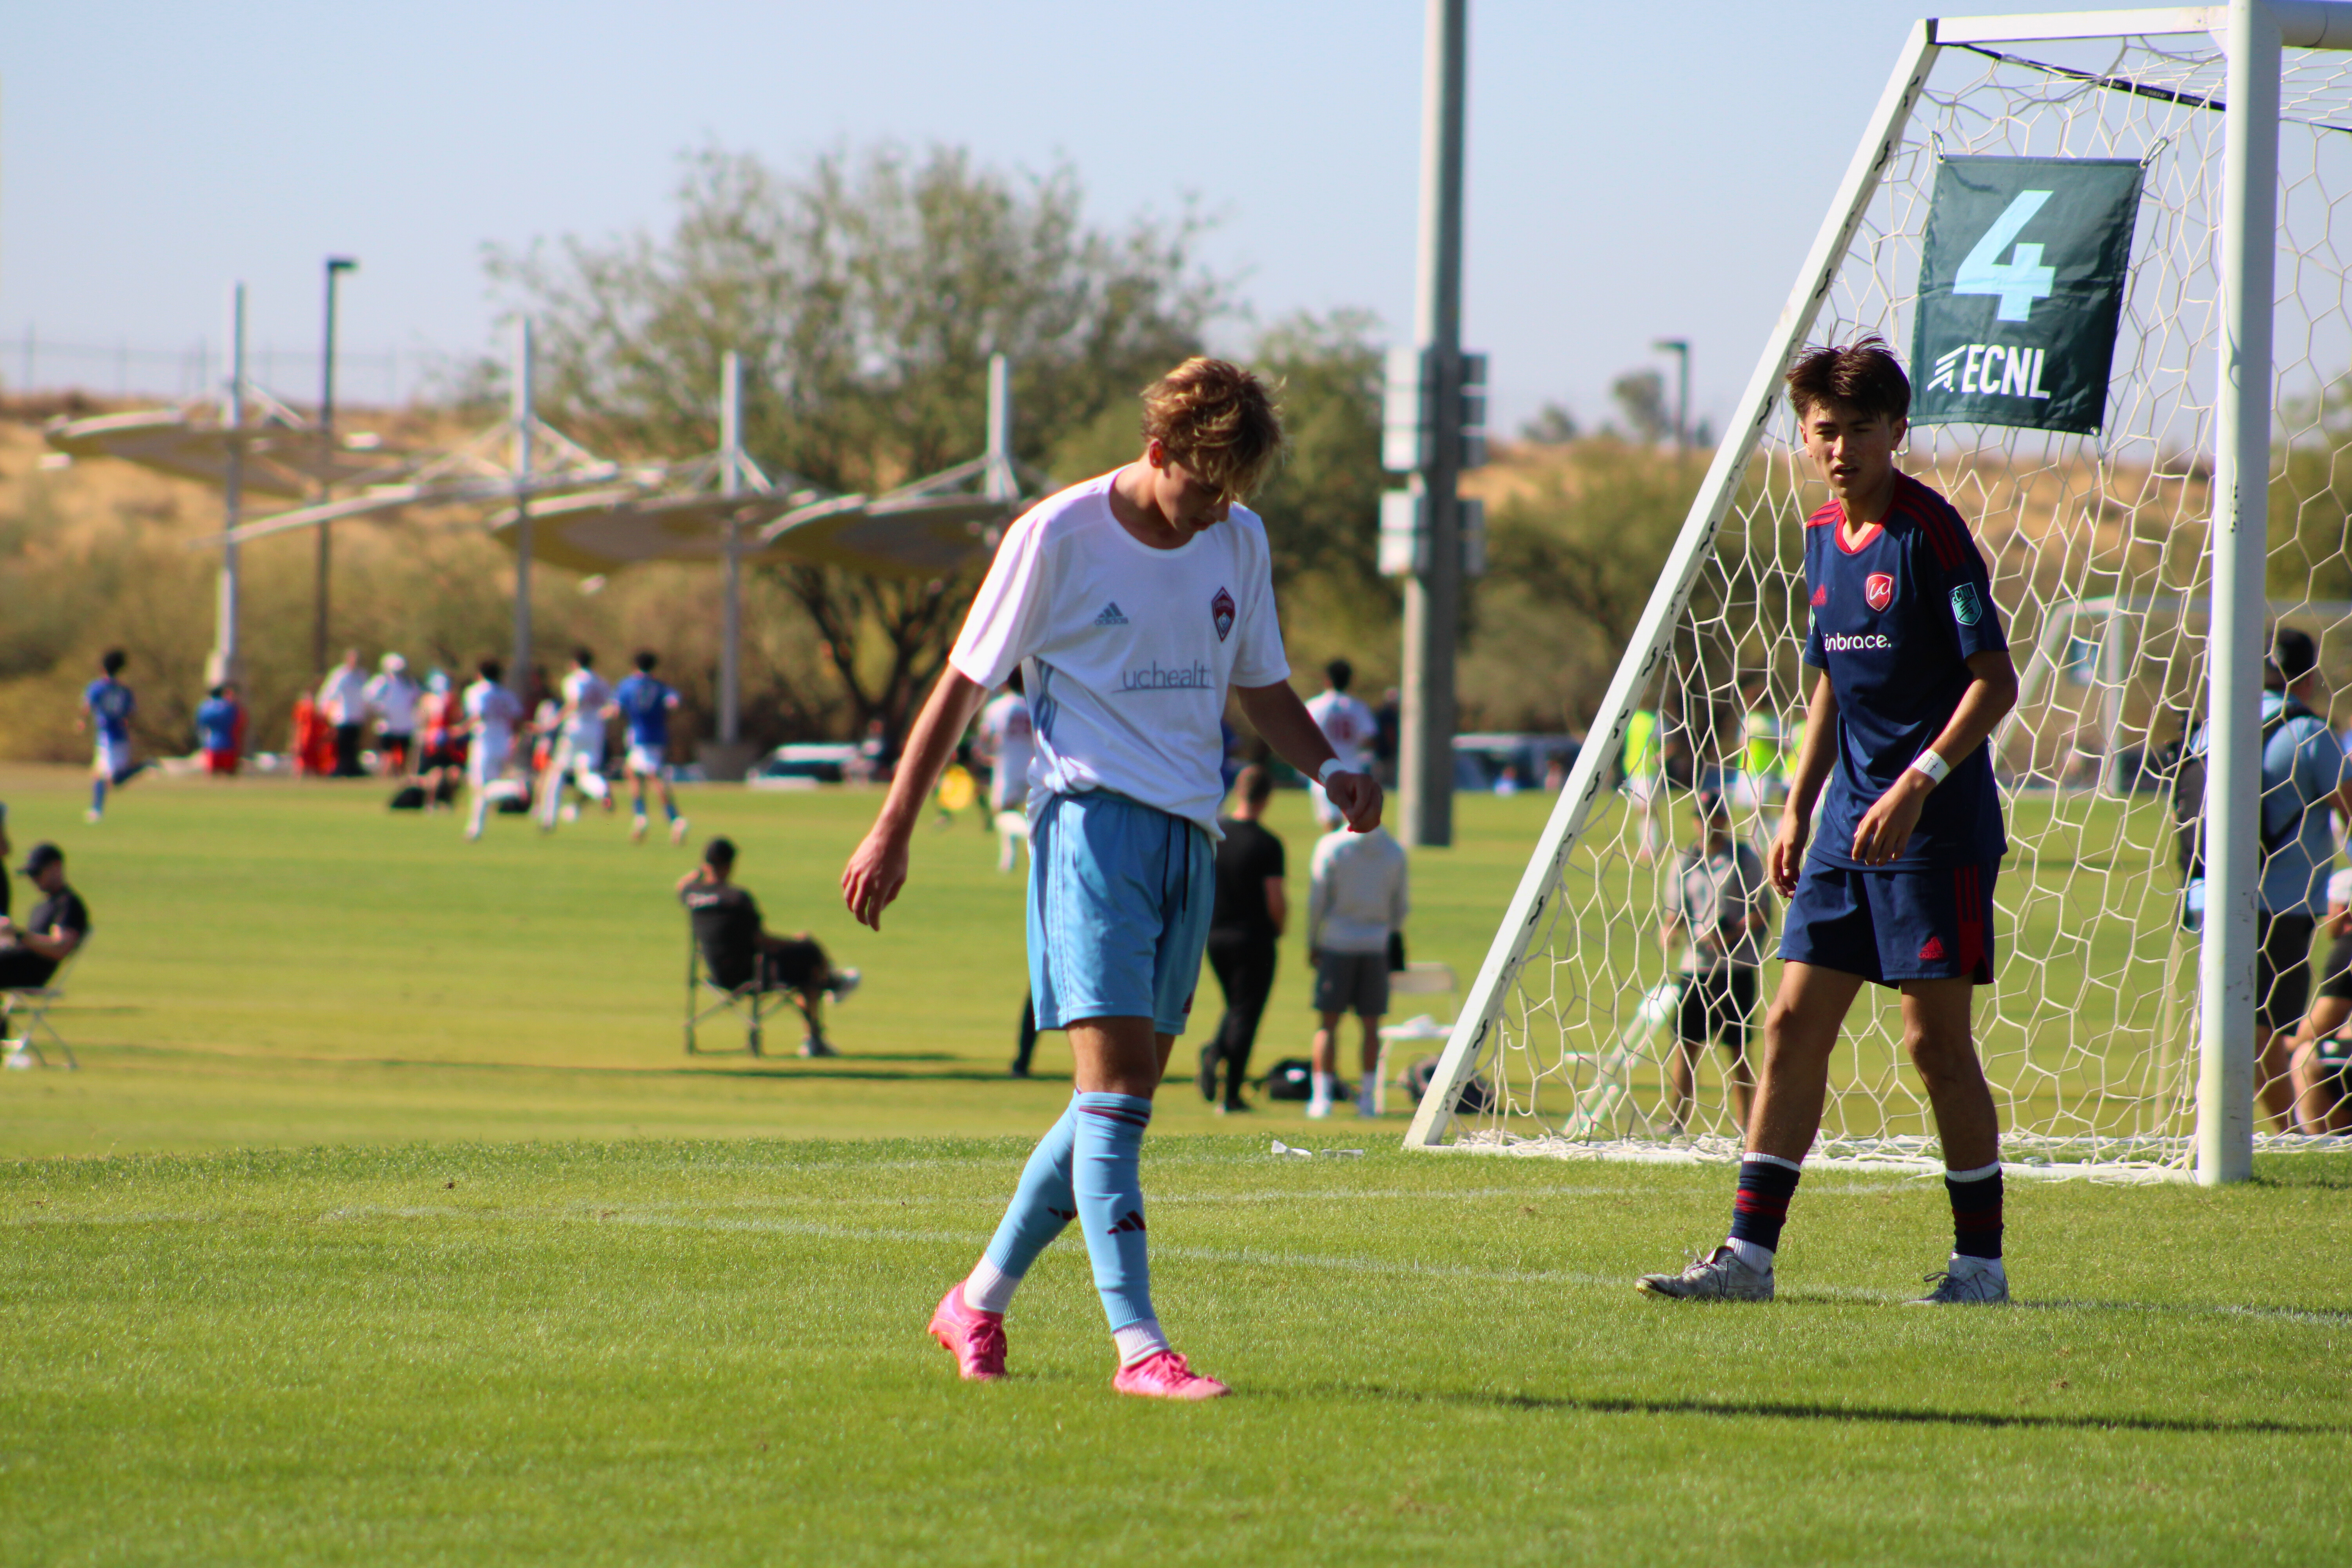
(1935, 767)
(1330, 766)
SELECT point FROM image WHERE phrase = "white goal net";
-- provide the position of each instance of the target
(2098, 549)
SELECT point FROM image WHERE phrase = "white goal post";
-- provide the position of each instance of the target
(2119, 1042)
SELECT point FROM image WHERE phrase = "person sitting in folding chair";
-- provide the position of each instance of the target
(30, 954)
(746, 961)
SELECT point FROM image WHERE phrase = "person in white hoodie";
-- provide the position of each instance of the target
(1357, 898)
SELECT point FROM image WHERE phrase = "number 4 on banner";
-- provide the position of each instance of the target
(2021, 281)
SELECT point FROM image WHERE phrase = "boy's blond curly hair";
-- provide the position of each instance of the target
(1218, 420)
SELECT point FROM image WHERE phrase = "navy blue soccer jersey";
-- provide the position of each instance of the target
(111, 703)
(644, 703)
(1894, 620)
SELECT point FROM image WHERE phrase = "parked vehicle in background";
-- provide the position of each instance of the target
(804, 764)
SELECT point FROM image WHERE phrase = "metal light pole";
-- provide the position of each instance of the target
(224, 663)
(730, 480)
(1433, 595)
(524, 416)
(1680, 348)
(336, 266)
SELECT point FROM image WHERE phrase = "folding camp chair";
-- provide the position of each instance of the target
(707, 999)
(26, 1007)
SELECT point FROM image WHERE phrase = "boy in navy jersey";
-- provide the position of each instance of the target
(1913, 675)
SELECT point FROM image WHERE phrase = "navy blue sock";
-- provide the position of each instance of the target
(1976, 1212)
(1761, 1206)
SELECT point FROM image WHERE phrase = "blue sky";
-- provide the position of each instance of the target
(1632, 172)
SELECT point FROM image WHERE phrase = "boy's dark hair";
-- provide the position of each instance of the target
(646, 659)
(112, 661)
(1339, 672)
(2293, 656)
(1254, 784)
(216, 692)
(1863, 374)
(585, 657)
(491, 669)
(1017, 681)
(718, 852)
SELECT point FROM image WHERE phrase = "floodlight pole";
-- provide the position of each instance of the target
(336, 266)
(225, 664)
(525, 416)
(1680, 348)
(1433, 595)
(730, 480)
(2225, 992)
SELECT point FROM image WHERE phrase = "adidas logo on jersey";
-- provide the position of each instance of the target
(1110, 616)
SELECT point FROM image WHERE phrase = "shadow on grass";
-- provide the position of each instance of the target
(1769, 1410)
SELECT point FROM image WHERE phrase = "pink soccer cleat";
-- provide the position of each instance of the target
(1163, 1375)
(976, 1339)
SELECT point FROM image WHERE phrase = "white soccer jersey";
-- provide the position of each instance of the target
(1127, 650)
(1007, 743)
(394, 699)
(1349, 725)
(589, 694)
(495, 712)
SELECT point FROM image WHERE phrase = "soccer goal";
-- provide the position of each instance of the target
(2142, 401)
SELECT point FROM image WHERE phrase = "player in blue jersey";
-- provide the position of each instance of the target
(644, 703)
(106, 705)
(1914, 673)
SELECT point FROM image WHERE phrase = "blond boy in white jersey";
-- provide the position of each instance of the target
(1135, 602)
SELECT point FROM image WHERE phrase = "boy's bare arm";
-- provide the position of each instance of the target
(1277, 714)
(878, 869)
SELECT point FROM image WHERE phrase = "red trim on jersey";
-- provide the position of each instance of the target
(1946, 536)
(1825, 515)
(1869, 537)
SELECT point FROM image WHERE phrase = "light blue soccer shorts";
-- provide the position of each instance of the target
(1119, 899)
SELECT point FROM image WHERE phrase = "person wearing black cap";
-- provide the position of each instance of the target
(31, 952)
(738, 951)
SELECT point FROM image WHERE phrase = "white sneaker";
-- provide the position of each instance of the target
(93, 816)
(1969, 1282)
(844, 982)
(677, 830)
(1317, 1109)
(636, 830)
(1720, 1276)
(567, 813)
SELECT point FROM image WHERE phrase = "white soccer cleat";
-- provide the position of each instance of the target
(677, 830)
(93, 816)
(845, 984)
(1720, 1276)
(1979, 1287)
(1317, 1109)
(636, 830)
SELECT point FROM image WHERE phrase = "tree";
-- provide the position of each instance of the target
(864, 295)
(1553, 426)
(1641, 394)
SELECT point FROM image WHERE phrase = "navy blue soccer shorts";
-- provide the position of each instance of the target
(1892, 926)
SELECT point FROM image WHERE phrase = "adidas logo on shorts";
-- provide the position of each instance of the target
(1110, 616)
(1933, 950)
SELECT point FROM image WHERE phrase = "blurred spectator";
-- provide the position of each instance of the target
(220, 730)
(442, 756)
(740, 954)
(1388, 726)
(1348, 725)
(56, 927)
(392, 698)
(1357, 898)
(342, 703)
(1244, 932)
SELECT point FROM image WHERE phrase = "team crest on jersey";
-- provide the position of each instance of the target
(1966, 609)
(1879, 589)
(1221, 610)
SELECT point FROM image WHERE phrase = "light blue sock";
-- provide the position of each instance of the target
(1110, 1203)
(98, 793)
(1042, 1206)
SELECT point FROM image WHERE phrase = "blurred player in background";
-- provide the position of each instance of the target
(2321, 1065)
(1007, 740)
(491, 714)
(1139, 602)
(1719, 904)
(1349, 727)
(342, 702)
(441, 717)
(391, 697)
(645, 704)
(580, 748)
(106, 705)
(220, 730)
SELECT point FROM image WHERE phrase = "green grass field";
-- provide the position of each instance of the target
(402, 1232)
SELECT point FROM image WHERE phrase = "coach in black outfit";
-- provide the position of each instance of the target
(738, 950)
(31, 952)
(1243, 933)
